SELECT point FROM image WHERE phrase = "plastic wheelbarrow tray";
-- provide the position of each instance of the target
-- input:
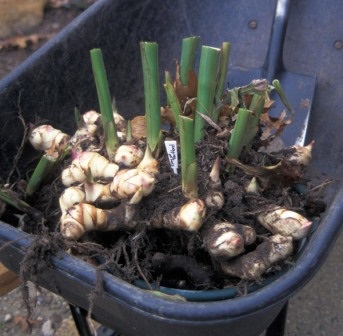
(58, 77)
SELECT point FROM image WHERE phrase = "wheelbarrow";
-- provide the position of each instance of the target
(58, 77)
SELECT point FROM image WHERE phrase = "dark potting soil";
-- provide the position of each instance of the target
(172, 258)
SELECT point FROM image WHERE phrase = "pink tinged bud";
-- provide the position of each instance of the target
(129, 181)
(45, 137)
(225, 240)
(128, 155)
(149, 164)
(227, 245)
(285, 222)
(97, 192)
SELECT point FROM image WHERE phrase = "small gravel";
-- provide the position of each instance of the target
(49, 314)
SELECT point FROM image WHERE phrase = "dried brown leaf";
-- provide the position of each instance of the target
(284, 173)
(167, 115)
(22, 42)
(185, 92)
(210, 121)
(273, 126)
(25, 324)
(138, 127)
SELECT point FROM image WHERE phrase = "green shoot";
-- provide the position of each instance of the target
(149, 55)
(167, 79)
(256, 107)
(207, 83)
(223, 68)
(110, 131)
(188, 53)
(114, 106)
(237, 138)
(278, 88)
(173, 102)
(44, 167)
(188, 162)
(9, 197)
(128, 131)
(78, 118)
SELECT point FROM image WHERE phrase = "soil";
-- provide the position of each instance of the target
(50, 313)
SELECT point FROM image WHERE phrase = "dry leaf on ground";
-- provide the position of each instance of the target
(22, 42)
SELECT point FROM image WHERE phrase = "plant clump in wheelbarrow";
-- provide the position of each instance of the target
(228, 212)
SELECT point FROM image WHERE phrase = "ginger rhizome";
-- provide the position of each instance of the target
(99, 166)
(92, 180)
(46, 138)
(253, 265)
(285, 222)
(84, 217)
(226, 240)
(188, 217)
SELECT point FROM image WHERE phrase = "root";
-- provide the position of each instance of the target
(22, 143)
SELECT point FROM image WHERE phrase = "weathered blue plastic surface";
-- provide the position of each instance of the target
(50, 83)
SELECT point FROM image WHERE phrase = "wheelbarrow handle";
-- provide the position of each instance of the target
(274, 61)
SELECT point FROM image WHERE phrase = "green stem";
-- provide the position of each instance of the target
(128, 131)
(278, 88)
(209, 61)
(187, 61)
(78, 118)
(149, 55)
(44, 167)
(236, 141)
(256, 107)
(223, 68)
(114, 106)
(188, 162)
(104, 97)
(12, 199)
(168, 77)
(173, 102)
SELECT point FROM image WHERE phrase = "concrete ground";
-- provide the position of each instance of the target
(317, 310)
